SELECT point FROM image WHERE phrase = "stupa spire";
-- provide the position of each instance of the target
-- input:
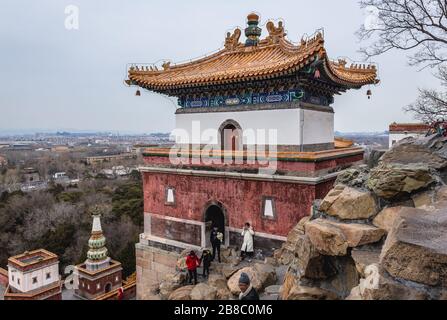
(97, 255)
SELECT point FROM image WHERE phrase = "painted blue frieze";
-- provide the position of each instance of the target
(241, 100)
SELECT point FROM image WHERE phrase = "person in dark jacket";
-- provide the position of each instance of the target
(192, 262)
(215, 242)
(247, 290)
(206, 259)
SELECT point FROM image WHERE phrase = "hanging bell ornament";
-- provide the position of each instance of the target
(369, 93)
(317, 74)
(138, 93)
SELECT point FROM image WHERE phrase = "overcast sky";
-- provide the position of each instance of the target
(54, 78)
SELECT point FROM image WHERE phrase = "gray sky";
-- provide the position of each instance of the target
(53, 78)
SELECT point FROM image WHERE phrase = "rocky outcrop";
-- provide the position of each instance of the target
(431, 151)
(347, 203)
(170, 283)
(202, 291)
(219, 281)
(416, 248)
(355, 177)
(182, 293)
(333, 239)
(298, 292)
(390, 180)
(326, 238)
(261, 276)
(387, 217)
(340, 252)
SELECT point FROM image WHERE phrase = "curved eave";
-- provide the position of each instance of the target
(295, 59)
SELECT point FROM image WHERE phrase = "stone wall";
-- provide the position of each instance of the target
(242, 199)
(152, 265)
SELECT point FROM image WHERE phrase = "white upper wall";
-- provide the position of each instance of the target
(396, 137)
(202, 128)
(23, 281)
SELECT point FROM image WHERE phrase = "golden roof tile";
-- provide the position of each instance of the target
(273, 56)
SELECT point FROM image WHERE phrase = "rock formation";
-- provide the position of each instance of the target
(380, 233)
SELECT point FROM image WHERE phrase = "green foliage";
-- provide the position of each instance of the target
(71, 197)
(127, 258)
(58, 240)
(5, 195)
(128, 200)
(135, 175)
(65, 237)
(55, 189)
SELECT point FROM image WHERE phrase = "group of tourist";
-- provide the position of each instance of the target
(216, 239)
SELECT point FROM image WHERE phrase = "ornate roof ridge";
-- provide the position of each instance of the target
(275, 55)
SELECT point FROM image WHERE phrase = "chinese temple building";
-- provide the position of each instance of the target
(34, 275)
(254, 143)
(98, 274)
(400, 131)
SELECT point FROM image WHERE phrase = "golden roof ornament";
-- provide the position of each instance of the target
(275, 33)
(232, 40)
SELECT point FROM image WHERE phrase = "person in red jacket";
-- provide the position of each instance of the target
(192, 262)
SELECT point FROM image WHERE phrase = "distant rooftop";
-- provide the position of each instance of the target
(32, 259)
(409, 127)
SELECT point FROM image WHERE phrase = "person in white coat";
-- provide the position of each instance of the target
(247, 246)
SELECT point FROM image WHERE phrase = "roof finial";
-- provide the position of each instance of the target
(252, 32)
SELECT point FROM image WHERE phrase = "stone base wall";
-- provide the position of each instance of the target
(152, 265)
(267, 245)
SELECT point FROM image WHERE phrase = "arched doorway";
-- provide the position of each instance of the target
(230, 133)
(214, 217)
(108, 287)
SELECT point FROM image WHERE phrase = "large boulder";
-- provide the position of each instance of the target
(219, 282)
(429, 150)
(377, 286)
(342, 276)
(364, 258)
(326, 238)
(393, 179)
(261, 276)
(299, 292)
(289, 250)
(170, 283)
(202, 291)
(360, 234)
(416, 248)
(388, 216)
(333, 238)
(355, 177)
(228, 270)
(182, 293)
(348, 203)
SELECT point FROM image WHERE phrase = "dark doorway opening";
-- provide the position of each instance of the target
(108, 287)
(229, 138)
(214, 217)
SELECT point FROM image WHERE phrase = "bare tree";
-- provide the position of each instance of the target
(419, 27)
(431, 105)
(409, 25)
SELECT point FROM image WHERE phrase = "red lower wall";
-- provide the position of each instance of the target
(242, 199)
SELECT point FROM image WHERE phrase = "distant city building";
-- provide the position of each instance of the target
(60, 149)
(31, 175)
(98, 274)
(399, 131)
(34, 276)
(105, 158)
(60, 175)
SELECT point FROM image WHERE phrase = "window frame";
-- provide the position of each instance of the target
(174, 203)
(273, 201)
